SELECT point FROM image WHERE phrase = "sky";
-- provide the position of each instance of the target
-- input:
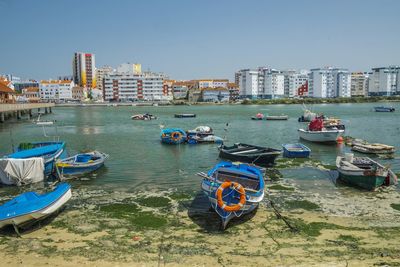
(188, 39)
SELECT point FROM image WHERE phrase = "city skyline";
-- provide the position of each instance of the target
(198, 39)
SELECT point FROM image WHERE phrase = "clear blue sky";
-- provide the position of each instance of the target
(198, 39)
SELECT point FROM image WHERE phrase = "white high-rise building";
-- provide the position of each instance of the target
(274, 84)
(132, 68)
(56, 90)
(329, 82)
(249, 86)
(124, 86)
(384, 81)
(296, 82)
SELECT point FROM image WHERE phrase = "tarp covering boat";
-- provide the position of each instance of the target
(21, 171)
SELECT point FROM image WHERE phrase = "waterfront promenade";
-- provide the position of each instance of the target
(9, 110)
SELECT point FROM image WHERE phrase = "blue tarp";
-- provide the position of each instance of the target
(36, 152)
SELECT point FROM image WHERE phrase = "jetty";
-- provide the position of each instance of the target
(18, 110)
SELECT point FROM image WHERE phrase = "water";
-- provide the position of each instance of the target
(138, 161)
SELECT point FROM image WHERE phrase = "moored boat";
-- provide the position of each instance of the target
(31, 206)
(362, 172)
(204, 138)
(258, 117)
(277, 118)
(296, 151)
(49, 151)
(144, 117)
(173, 136)
(262, 156)
(200, 130)
(316, 132)
(367, 148)
(384, 109)
(185, 115)
(233, 190)
(81, 163)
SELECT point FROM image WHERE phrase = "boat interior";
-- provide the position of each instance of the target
(237, 150)
(247, 180)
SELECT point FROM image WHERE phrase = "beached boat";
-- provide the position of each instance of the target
(144, 117)
(258, 117)
(384, 109)
(362, 172)
(49, 151)
(81, 163)
(375, 148)
(173, 136)
(263, 156)
(21, 171)
(185, 115)
(233, 189)
(296, 151)
(31, 206)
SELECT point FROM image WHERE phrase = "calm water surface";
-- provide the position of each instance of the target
(138, 161)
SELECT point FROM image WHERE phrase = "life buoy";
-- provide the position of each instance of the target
(237, 187)
(176, 136)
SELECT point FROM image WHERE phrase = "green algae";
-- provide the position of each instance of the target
(154, 202)
(301, 204)
(273, 174)
(395, 206)
(120, 210)
(148, 220)
(313, 229)
(180, 196)
(280, 187)
(348, 238)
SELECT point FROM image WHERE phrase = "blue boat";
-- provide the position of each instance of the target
(296, 151)
(31, 206)
(49, 151)
(173, 136)
(233, 189)
(384, 109)
(81, 163)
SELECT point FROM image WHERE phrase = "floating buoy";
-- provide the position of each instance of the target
(339, 140)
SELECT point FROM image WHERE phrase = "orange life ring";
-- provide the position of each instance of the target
(176, 136)
(237, 187)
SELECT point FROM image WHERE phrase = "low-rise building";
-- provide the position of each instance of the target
(31, 94)
(220, 94)
(100, 73)
(233, 89)
(384, 81)
(79, 93)
(55, 90)
(7, 94)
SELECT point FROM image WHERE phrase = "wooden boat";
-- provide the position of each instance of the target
(81, 163)
(323, 136)
(40, 122)
(200, 130)
(362, 172)
(204, 138)
(31, 206)
(49, 151)
(173, 136)
(296, 151)
(185, 115)
(144, 117)
(258, 117)
(233, 190)
(263, 156)
(384, 109)
(277, 118)
(375, 148)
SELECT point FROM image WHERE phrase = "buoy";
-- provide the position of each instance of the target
(339, 140)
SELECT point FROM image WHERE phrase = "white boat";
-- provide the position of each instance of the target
(320, 136)
(39, 122)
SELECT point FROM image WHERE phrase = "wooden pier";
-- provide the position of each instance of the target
(17, 110)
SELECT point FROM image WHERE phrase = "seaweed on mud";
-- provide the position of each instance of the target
(180, 196)
(148, 220)
(280, 187)
(273, 174)
(313, 229)
(154, 202)
(301, 204)
(395, 206)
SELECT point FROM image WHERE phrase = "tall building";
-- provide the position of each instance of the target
(83, 70)
(250, 84)
(55, 90)
(100, 74)
(384, 81)
(274, 84)
(125, 86)
(359, 83)
(329, 82)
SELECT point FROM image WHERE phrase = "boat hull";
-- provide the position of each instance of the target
(359, 180)
(320, 136)
(276, 118)
(262, 159)
(185, 115)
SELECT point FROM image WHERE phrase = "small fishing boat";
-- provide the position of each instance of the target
(81, 163)
(308, 115)
(200, 130)
(316, 132)
(258, 117)
(277, 118)
(31, 206)
(362, 172)
(173, 136)
(204, 138)
(144, 117)
(384, 109)
(49, 151)
(233, 189)
(40, 122)
(375, 148)
(296, 151)
(262, 156)
(21, 171)
(185, 115)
